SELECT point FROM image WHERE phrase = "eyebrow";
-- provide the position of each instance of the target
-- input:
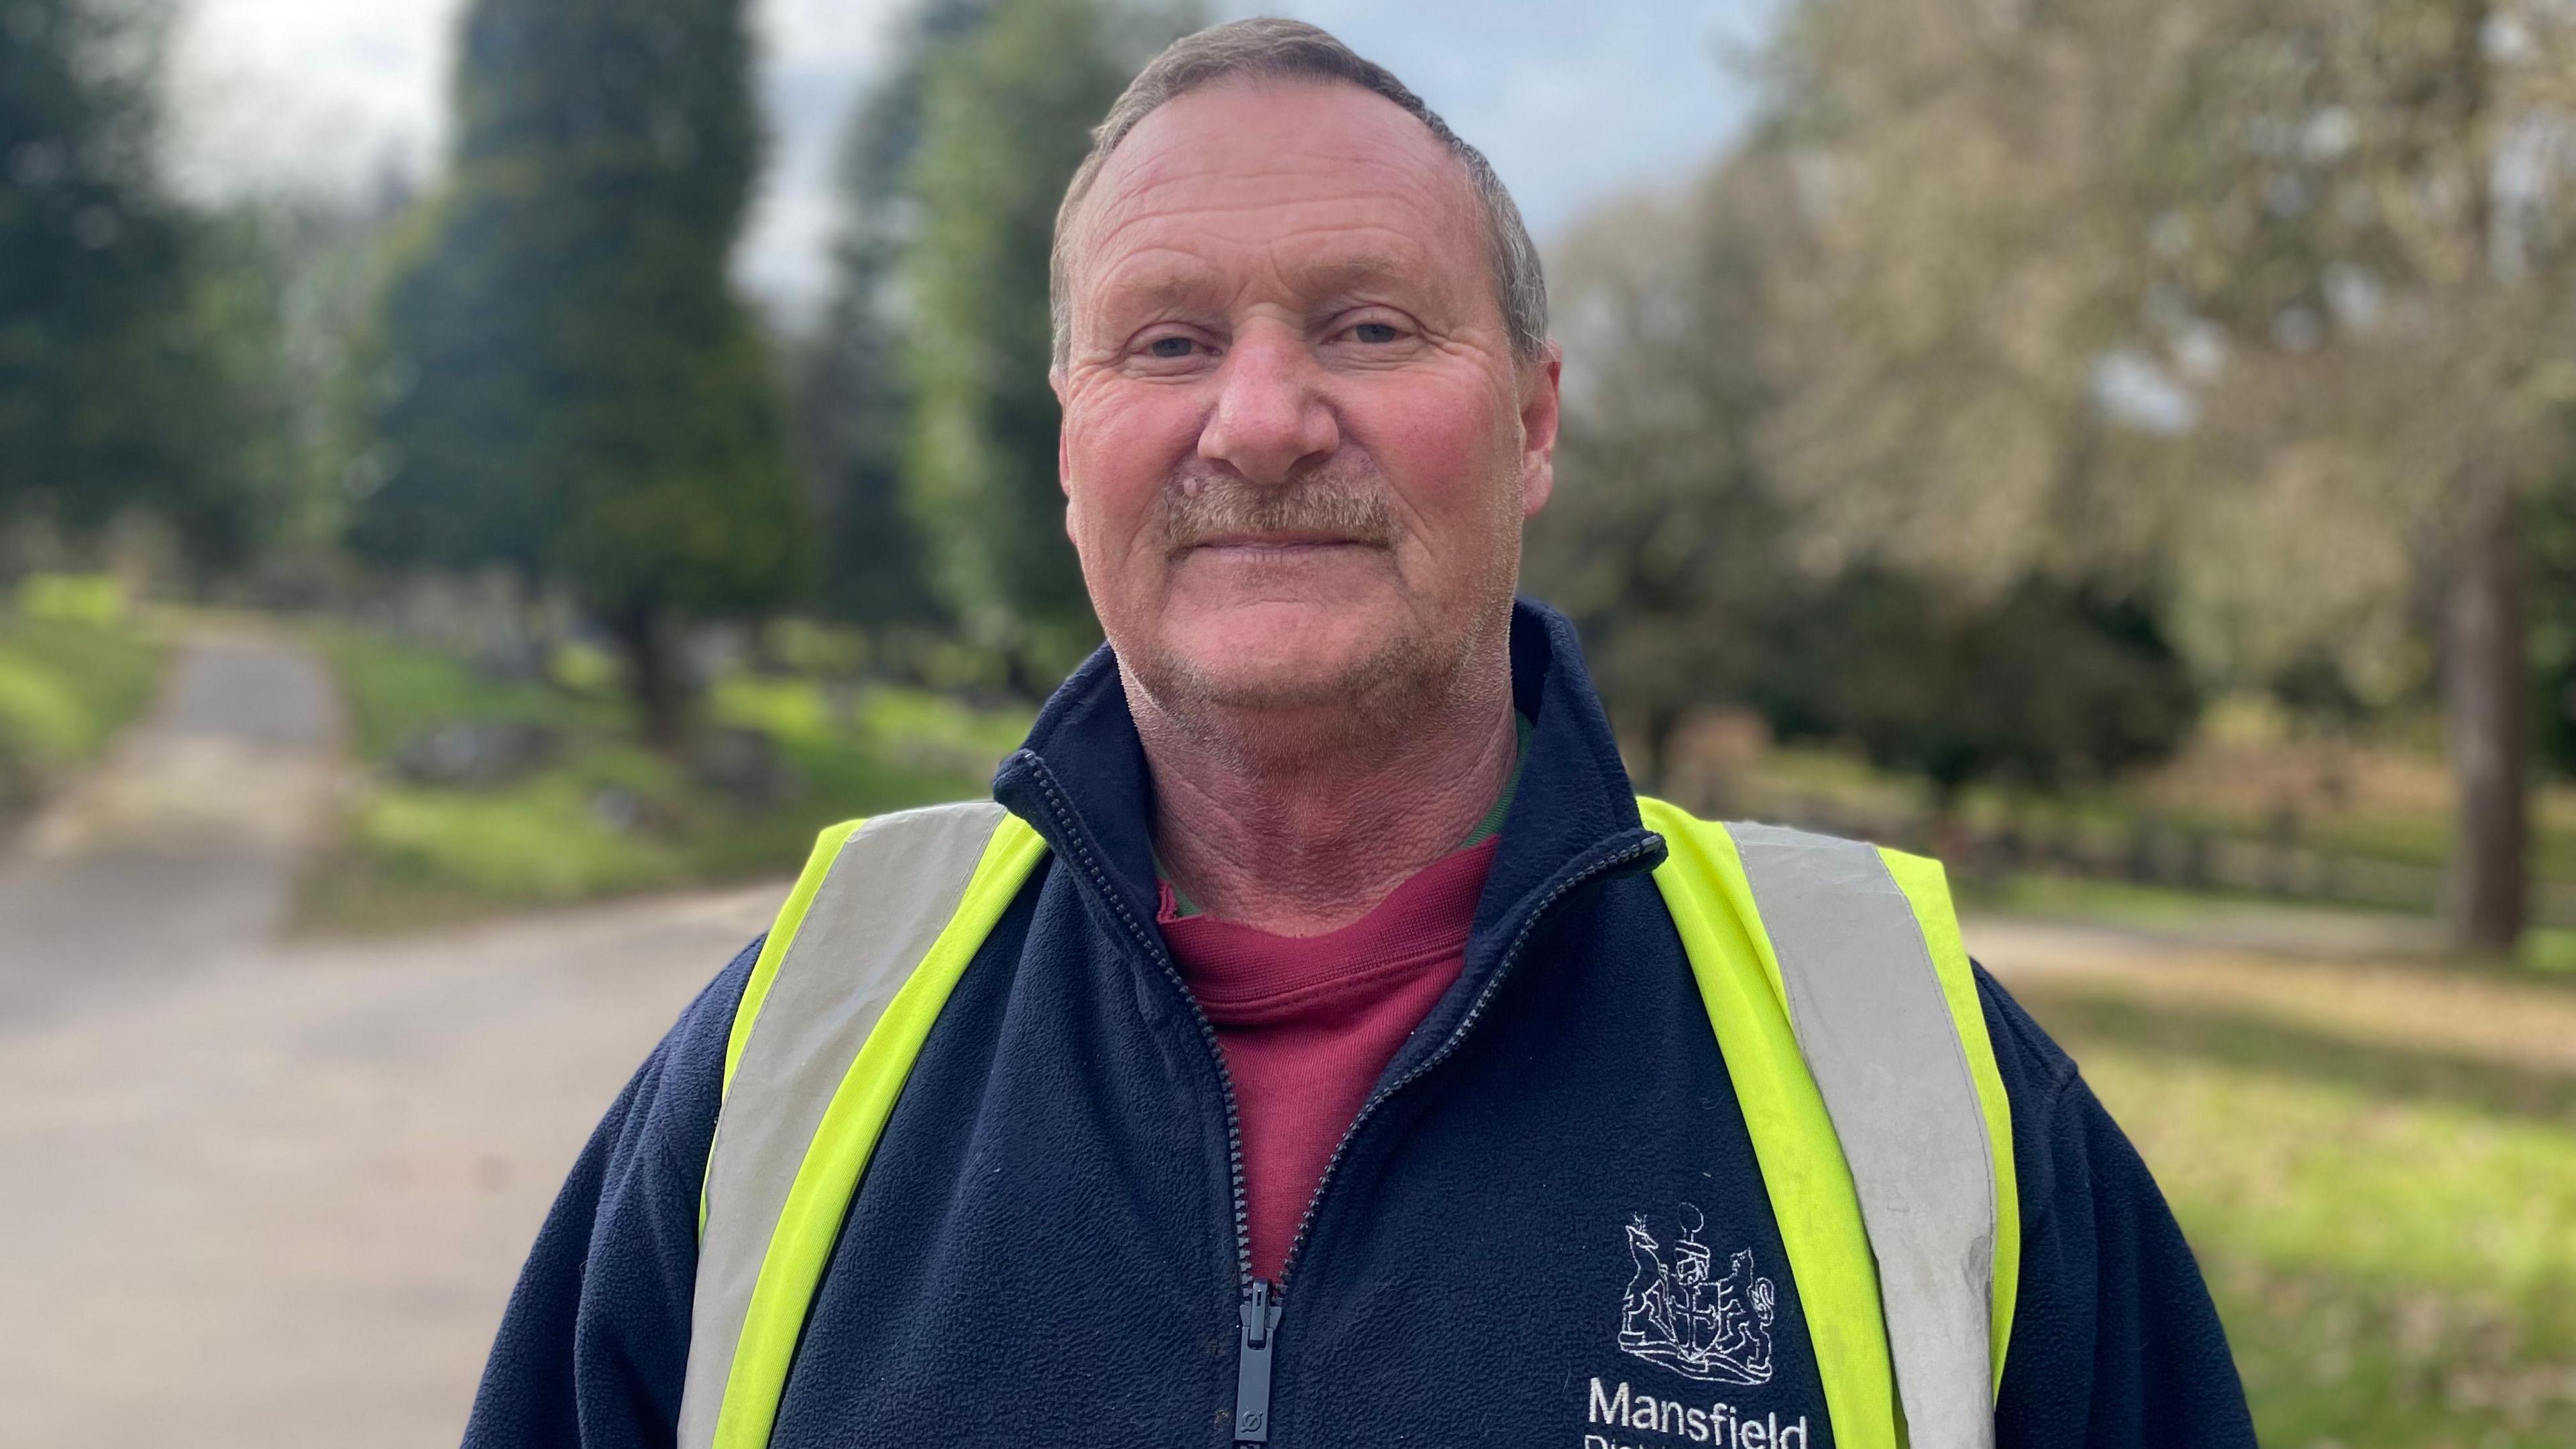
(1191, 285)
(1157, 287)
(1348, 274)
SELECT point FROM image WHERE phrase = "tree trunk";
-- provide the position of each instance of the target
(2484, 708)
(653, 676)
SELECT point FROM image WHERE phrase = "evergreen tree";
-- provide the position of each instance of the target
(570, 383)
(2047, 688)
(116, 346)
(1006, 114)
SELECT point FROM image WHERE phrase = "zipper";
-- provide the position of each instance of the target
(1069, 827)
(1475, 1011)
(1257, 1315)
(1260, 1315)
(1262, 1306)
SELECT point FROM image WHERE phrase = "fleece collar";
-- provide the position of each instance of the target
(1080, 779)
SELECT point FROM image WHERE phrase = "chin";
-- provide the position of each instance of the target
(1289, 669)
(1263, 678)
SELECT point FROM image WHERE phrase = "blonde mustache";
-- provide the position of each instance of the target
(1228, 507)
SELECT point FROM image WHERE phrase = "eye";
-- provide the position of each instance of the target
(1376, 332)
(1170, 347)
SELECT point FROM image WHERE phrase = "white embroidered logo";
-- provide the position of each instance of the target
(1715, 1330)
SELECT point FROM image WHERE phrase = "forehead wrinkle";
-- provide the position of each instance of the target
(1202, 178)
(1119, 213)
(1387, 139)
(1386, 261)
(1160, 276)
(1379, 250)
(1415, 170)
(1358, 271)
(1331, 168)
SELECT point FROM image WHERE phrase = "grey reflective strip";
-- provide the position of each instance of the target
(1878, 1038)
(890, 892)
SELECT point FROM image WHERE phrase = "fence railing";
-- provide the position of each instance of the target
(2146, 850)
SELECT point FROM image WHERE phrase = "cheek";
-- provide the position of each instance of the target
(1120, 444)
(1445, 445)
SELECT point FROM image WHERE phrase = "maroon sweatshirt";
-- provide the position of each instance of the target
(1307, 1024)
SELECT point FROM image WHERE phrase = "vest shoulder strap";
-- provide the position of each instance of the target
(878, 930)
(1844, 960)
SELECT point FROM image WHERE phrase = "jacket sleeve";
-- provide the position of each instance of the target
(595, 1342)
(2115, 1343)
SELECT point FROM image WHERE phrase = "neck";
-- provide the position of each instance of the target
(1258, 823)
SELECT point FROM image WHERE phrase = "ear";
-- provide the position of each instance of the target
(1063, 473)
(1541, 410)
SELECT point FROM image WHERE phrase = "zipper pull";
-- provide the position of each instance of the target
(1252, 1372)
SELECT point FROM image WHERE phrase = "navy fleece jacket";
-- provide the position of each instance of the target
(1048, 1246)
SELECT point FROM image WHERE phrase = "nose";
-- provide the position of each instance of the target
(1270, 413)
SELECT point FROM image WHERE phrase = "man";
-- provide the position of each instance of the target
(1315, 1045)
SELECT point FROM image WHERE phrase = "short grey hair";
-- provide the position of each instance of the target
(1271, 49)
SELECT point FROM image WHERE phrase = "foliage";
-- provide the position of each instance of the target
(394, 691)
(1934, 341)
(94, 599)
(2046, 688)
(1663, 541)
(854, 399)
(120, 369)
(67, 687)
(1680, 551)
(2260, 299)
(2549, 532)
(605, 817)
(1005, 117)
(301, 276)
(570, 383)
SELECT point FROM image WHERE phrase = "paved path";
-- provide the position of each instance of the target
(266, 1195)
(182, 847)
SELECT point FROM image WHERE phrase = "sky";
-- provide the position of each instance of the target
(1573, 100)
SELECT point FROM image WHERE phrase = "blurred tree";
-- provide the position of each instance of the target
(284, 286)
(2045, 688)
(2272, 289)
(2549, 535)
(569, 382)
(2377, 195)
(854, 400)
(1662, 541)
(323, 261)
(1005, 118)
(1670, 545)
(121, 349)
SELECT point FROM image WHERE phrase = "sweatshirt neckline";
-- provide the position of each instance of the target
(1243, 973)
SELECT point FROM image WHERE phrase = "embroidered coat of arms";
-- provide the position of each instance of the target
(1715, 1330)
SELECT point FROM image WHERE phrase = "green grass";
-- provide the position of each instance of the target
(67, 687)
(395, 690)
(2391, 1235)
(2550, 949)
(605, 816)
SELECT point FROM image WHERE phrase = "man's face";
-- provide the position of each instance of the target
(1297, 446)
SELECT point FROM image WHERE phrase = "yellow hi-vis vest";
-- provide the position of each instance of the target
(1832, 971)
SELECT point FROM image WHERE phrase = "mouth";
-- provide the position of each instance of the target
(1273, 545)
